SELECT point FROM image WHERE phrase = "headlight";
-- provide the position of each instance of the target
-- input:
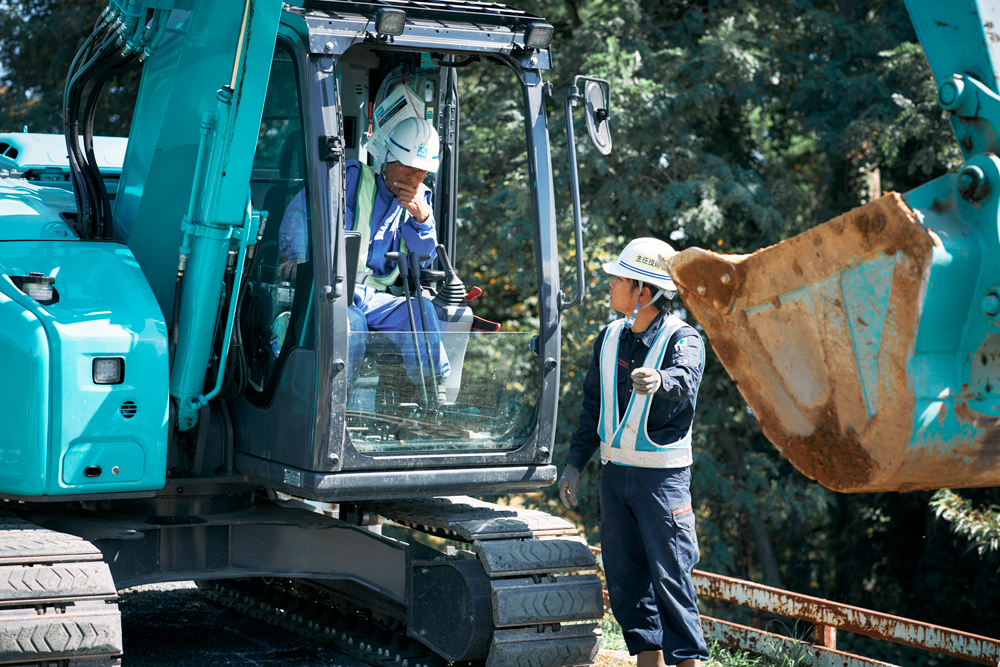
(390, 21)
(538, 35)
(109, 370)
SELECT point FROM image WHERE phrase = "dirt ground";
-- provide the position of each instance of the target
(171, 625)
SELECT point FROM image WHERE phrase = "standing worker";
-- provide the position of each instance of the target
(638, 406)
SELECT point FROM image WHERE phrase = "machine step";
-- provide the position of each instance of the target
(470, 520)
(527, 647)
(57, 599)
(551, 600)
(505, 558)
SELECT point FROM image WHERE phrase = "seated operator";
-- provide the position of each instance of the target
(392, 211)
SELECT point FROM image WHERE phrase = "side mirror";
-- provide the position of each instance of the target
(597, 104)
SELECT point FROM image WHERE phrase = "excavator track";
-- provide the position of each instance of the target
(539, 619)
(57, 600)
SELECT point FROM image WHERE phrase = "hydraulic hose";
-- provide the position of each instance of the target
(105, 221)
(176, 310)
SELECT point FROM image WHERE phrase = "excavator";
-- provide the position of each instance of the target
(868, 347)
(180, 402)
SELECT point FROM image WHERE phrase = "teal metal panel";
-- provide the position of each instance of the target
(121, 461)
(179, 83)
(105, 309)
(866, 288)
(955, 361)
(30, 212)
(40, 151)
(962, 37)
(24, 397)
(959, 37)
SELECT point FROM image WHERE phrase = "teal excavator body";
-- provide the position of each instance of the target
(177, 395)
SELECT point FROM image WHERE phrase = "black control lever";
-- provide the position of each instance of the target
(415, 271)
(452, 293)
(400, 259)
(432, 276)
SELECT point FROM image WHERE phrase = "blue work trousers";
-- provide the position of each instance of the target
(649, 548)
(388, 314)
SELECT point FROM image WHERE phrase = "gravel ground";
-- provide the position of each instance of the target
(171, 625)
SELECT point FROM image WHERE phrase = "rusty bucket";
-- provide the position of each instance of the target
(819, 332)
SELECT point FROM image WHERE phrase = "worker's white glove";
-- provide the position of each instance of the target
(567, 485)
(646, 381)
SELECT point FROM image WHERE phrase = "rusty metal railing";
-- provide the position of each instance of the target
(827, 617)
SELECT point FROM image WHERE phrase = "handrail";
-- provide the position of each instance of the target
(827, 617)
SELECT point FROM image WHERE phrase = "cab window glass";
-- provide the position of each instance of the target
(276, 317)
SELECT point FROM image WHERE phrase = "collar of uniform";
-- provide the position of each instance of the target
(646, 337)
(383, 188)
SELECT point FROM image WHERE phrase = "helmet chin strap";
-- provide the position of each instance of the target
(635, 311)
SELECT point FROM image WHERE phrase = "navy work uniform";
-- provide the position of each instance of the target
(647, 523)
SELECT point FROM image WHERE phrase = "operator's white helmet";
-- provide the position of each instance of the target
(640, 260)
(413, 142)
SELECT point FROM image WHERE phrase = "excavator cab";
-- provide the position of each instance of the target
(483, 421)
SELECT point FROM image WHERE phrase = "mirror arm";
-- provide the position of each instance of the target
(569, 101)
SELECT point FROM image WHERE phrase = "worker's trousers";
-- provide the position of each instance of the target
(649, 548)
(388, 314)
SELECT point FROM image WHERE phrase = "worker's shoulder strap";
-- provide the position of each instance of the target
(608, 367)
(364, 205)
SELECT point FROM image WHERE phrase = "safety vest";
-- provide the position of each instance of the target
(626, 442)
(364, 205)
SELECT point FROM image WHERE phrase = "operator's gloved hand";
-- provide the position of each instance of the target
(567, 485)
(646, 381)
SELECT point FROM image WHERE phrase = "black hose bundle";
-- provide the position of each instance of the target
(117, 45)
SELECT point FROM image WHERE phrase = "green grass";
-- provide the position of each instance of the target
(719, 654)
(612, 639)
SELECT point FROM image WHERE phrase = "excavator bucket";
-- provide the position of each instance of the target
(868, 347)
(831, 345)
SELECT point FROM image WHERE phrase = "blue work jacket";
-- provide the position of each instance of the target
(389, 221)
(387, 215)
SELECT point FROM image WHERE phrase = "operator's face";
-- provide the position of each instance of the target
(622, 293)
(397, 172)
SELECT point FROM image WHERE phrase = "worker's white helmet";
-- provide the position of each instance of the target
(414, 143)
(641, 260)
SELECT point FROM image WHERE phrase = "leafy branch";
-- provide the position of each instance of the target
(980, 526)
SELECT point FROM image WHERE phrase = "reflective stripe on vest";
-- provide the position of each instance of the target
(364, 206)
(627, 443)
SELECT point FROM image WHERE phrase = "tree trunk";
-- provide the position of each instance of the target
(758, 530)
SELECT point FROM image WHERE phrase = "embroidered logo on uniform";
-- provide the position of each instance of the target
(681, 343)
(422, 151)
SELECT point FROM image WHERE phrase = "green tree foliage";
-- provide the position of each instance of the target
(981, 527)
(38, 40)
(736, 125)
